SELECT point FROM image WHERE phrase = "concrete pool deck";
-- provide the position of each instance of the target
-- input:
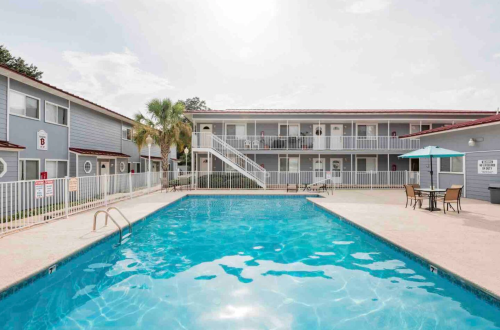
(466, 244)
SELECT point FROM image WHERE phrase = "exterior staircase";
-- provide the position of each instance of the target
(212, 144)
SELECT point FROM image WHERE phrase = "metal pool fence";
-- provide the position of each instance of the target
(27, 203)
(279, 180)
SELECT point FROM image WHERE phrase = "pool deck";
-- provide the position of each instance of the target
(466, 244)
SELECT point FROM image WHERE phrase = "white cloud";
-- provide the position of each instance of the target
(467, 97)
(497, 55)
(113, 80)
(366, 6)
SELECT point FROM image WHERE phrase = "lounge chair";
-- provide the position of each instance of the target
(412, 196)
(292, 187)
(452, 195)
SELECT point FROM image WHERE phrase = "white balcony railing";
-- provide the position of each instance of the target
(257, 142)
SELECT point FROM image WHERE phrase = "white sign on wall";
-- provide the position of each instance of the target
(487, 166)
(42, 139)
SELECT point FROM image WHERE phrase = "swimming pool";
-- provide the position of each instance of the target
(252, 262)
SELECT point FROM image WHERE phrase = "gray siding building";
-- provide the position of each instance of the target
(45, 129)
(322, 142)
(480, 141)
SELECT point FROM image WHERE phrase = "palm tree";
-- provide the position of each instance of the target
(165, 123)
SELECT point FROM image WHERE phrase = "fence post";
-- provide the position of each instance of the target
(66, 196)
(105, 176)
(130, 184)
(406, 177)
(149, 180)
(371, 180)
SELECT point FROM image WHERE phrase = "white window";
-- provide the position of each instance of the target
(451, 165)
(56, 168)
(29, 169)
(238, 130)
(367, 164)
(87, 166)
(127, 133)
(290, 130)
(122, 166)
(24, 105)
(56, 114)
(367, 131)
(290, 164)
(3, 167)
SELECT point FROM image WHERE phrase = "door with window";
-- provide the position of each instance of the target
(104, 168)
(319, 139)
(336, 169)
(206, 135)
(318, 169)
(204, 164)
(367, 136)
(336, 136)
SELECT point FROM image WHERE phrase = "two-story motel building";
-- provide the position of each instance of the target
(46, 129)
(323, 142)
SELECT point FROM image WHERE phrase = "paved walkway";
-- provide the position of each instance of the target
(467, 244)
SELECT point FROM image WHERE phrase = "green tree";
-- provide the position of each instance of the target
(195, 103)
(164, 122)
(18, 64)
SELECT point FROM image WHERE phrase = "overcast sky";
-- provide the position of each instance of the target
(264, 54)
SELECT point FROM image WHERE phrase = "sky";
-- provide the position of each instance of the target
(321, 54)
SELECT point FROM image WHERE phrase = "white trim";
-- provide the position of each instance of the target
(90, 170)
(24, 160)
(33, 97)
(11, 149)
(376, 162)
(65, 95)
(59, 106)
(57, 168)
(4, 167)
(131, 132)
(8, 109)
(69, 135)
(231, 123)
(439, 165)
(452, 130)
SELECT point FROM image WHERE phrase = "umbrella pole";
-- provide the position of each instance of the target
(432, 173)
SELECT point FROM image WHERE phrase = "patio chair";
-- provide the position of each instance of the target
(412, 196)
(256, 144)
(452, 195)
(461, 187)
(248, 144)
(292, 187)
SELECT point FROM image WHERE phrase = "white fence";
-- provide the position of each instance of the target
(26, 203)
(279, 180)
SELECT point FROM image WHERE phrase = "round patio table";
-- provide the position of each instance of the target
(432, 197)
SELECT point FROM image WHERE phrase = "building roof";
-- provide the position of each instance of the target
(93, 152)
(8, 145)
(491, 120)
(32, 81)
(347, 111)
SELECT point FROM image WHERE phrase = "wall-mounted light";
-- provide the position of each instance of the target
(472, 142)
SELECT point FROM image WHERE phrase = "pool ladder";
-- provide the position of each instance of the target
(116, 223)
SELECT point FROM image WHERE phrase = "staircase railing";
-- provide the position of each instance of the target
(209, 140)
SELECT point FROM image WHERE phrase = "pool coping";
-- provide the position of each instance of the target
(476, 289)
(443, 272)
(45, 271)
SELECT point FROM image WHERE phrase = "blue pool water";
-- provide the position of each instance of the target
(244, 262)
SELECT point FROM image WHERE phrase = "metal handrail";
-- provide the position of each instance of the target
(124, 217)
(106, 223)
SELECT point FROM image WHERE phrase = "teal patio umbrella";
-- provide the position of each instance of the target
(432, 152)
